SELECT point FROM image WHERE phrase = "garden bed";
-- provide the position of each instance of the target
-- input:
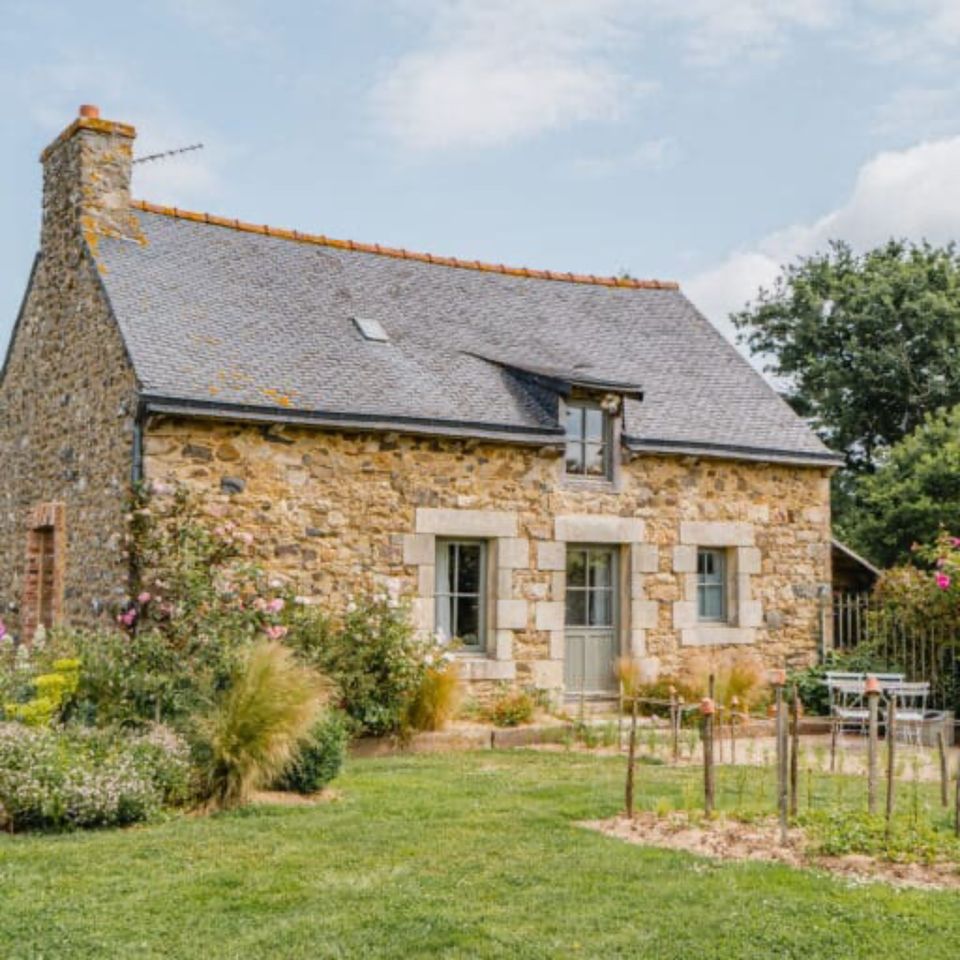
(735, 840)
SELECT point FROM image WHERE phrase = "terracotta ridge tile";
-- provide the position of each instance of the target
(400, 253)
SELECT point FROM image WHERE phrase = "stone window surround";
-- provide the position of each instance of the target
(508, 552)
(744, 613)
(505, 553)
(43, 516)
(612, 483)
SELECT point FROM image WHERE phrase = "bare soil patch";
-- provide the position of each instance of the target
(279, 798)
(734, 840)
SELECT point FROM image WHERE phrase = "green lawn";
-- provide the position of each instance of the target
(468, 855)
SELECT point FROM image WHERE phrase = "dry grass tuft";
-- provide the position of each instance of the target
(250, 736)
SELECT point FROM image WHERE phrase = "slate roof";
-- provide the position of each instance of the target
(233, 322)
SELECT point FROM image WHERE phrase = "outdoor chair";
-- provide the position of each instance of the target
(848, 701)
(911, 704)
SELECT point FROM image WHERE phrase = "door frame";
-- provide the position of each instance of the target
(619, 579)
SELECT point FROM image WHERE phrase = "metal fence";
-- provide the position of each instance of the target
(924, 651)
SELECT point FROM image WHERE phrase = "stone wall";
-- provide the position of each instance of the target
(67, 398)
(337, 513)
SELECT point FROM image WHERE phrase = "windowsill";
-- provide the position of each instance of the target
(477, 665)
(576, 482)
(714, 634)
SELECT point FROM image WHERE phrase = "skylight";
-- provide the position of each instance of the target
(371, 329)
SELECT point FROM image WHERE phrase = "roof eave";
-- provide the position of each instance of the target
(372, 423)
(719, 451)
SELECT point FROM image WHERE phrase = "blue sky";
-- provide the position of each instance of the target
(706, 141)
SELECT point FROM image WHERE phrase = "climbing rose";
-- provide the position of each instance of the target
(275, 605)
(275, 632)
(943, 581)
(144, 597)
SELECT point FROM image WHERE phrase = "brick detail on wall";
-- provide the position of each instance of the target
(44, 574)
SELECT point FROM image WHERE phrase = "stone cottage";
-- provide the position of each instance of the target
(555, 469)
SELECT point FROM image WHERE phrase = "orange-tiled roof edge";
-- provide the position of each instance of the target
(401, 254)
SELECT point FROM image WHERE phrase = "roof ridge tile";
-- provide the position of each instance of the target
(399, 253)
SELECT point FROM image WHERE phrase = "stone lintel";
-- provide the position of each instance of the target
(598, 528)
(702, 533)
(466, 523)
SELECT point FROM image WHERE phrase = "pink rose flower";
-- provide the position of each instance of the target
(275, 605)
(275, 632)
(955, 541)
(144, 597)
(943, 581)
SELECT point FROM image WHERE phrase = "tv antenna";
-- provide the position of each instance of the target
(168, 153)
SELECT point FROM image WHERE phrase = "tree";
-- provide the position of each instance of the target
(913, 493)
(866, 345)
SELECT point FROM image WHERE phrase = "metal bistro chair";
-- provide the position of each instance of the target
(911, 703)
(848, 695)
(847, 703)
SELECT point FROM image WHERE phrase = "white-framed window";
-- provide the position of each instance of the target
(591, 586)
(712, 585)
(461, 591)
(588, 434)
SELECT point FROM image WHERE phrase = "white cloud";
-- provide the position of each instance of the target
(652, 155)
(911, 31)
(717, 32)
(503, 70)
(913, 193)
(492, 72)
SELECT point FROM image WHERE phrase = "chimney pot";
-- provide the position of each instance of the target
(89, 111)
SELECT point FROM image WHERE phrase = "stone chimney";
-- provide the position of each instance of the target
(86, 182)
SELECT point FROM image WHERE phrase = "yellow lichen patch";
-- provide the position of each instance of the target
(281, 399)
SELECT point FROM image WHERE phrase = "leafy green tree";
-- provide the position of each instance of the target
(913, 493)
(866, 345)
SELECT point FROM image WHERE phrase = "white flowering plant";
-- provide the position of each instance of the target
(60, 778)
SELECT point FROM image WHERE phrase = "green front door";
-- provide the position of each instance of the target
(591, 646)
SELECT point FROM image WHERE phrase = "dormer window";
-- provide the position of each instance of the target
(589, 431)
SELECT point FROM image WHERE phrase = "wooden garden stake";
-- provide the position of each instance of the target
(711, 693)
(674, 724)
(734, 707)
(631, 756)
(620, 719)
(944, 776)
(779, 680)
(872, 690)
(795, 754)
(707, 709)
(833, 744)
(891, 751)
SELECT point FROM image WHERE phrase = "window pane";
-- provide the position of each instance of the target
(594, 424)
(601, 608)
(710, 602)
(444, 617)
(576, 608)
(447, 568)
(576, 568)
(468, 620)
(601, 568)
(574, 424)
(468, 573)
(574, 457)
(594, 464)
